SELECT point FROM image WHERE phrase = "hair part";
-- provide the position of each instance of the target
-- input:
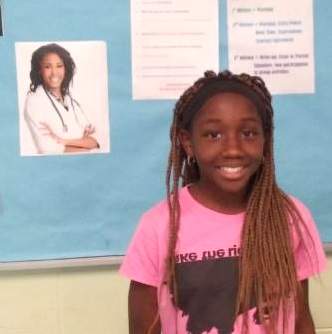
(267, 265)
(37, 58)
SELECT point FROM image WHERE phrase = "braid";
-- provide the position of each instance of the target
(267, 267)
(178, 167)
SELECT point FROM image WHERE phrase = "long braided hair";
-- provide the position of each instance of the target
(266, 266)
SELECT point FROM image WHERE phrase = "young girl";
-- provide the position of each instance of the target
(229, 252)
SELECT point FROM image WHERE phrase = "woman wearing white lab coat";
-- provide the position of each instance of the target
(55, 119)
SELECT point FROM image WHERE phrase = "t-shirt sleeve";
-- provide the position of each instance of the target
(310, 258)
(141, 261)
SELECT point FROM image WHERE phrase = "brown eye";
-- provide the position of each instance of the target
(249, 133)
(214, 135)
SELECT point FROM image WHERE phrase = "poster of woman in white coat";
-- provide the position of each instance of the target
(57, 116)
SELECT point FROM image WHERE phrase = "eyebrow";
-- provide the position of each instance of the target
(49, 63)
(212, 120)
(251, 119)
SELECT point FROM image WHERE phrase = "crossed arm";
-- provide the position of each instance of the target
(85, 143)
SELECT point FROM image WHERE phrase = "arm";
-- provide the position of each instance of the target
(36, 109)
(143, 309)
(310, 260)
(34, 117)
(85, 143)
(303, 319)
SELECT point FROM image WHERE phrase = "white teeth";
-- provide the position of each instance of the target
(55, 80)
(232, 169)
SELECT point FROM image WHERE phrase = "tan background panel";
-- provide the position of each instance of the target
(94, 300)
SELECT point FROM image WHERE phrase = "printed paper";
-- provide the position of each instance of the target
(273, 39)
(173, 43)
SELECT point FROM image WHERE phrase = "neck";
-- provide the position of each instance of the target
(56, 92)
(216, 200)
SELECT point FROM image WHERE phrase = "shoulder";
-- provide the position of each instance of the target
(305, 224)
(35, 99)
(161, 207)
(302, 209)
(156, 216)
(37, 93)
(156, 219)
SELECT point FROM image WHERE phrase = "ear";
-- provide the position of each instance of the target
(186, 142)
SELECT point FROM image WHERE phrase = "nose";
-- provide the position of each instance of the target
(53, 70)
(231, 146)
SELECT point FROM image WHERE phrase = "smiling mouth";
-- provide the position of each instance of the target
(55, 80)
(232, 173)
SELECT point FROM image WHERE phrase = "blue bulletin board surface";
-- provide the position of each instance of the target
(69, 206)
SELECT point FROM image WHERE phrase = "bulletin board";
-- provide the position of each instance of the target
(86, 205)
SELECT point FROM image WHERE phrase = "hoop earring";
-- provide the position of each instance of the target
(190, 160)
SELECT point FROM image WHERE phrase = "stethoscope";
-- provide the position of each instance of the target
(64, 125)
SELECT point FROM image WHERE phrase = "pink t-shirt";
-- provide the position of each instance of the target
(207, 255)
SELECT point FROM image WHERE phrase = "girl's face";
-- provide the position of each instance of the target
(52, 71)
(227, 141)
